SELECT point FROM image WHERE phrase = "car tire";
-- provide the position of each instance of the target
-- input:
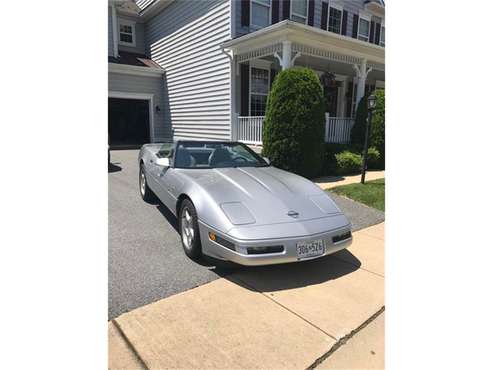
(189, 230)
(145, 192)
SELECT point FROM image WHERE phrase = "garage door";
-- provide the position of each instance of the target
(128, 122)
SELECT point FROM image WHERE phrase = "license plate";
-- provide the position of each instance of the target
(310, 249)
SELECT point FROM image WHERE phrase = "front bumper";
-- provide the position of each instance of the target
(289, 253)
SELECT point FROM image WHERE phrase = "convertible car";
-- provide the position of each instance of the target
(231, 204)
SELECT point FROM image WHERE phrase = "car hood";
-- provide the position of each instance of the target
(263, 195)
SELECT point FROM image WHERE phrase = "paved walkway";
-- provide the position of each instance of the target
(284, 316)
(328, 182)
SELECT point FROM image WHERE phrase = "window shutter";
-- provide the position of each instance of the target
(377, 33)
(311, 12)
(273, 73)
(286, 9)
(245, 13)
(355, 25)
(344, 23)
(372, 31)
(245, 88)
(325, 14)
(275, 11)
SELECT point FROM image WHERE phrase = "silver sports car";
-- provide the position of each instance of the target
(231, 204)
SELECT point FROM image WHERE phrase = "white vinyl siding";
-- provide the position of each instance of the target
(184, 39)
(142, 4)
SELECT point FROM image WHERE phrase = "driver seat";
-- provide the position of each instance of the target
(220, 155)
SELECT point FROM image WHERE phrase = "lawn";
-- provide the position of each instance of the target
(372, 193)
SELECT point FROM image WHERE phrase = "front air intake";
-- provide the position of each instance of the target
(341, 237)
(265, 250)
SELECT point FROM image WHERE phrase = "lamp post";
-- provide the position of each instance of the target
(371, 103)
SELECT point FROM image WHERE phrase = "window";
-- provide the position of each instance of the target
(335, 20)
(382, 36)
(260, 13)
(127, 32)
(299, 11)
(259, 89)
(364, 28)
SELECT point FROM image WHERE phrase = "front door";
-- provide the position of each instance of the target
(331, 98)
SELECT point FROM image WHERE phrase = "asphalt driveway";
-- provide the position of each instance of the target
(145, 258)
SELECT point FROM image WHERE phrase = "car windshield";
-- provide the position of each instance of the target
(200, 154)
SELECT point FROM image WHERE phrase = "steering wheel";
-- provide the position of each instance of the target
(239, 159)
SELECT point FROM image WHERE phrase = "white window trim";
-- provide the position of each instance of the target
(382, 26)
(341, 9)
(257, 66)
(126, 22)
(291, 13)
(254, 26)
(366, 17)
(138, 96)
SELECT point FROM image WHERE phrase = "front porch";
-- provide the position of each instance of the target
(347, 67)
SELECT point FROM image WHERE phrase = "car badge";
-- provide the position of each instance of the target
(293, 214)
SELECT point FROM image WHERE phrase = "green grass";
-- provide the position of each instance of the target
(372, 193)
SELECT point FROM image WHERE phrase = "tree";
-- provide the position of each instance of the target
(293, 134)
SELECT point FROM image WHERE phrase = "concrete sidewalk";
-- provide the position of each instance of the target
(319, 313)
(328, 182)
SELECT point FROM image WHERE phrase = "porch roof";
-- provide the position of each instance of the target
(307, 40)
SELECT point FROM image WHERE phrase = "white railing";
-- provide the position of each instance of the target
(338, 129)
(248, 130)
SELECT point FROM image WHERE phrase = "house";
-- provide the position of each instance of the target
(203, 69)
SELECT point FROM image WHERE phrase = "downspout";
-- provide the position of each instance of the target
(232, 91)
(114, 21)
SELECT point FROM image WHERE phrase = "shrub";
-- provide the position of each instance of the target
(377, 134)
(373, 158)
(348, 162)
(293, 134)
(330, 163)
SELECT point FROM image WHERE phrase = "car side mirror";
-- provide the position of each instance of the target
(266, 159)
(163, 162)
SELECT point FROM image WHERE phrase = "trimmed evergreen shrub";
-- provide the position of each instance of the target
(293, 133)
(348, 162)
(330, 163)
(377, 134)
(373, 158)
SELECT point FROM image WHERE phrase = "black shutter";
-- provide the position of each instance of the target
(275, 11)
(273, 73)
(245, 88)
(325, 13)
(311, 12)
(245, 13)
(344, 23)
(377, 33)
(355, 25)
(372, 31)
(286, 8)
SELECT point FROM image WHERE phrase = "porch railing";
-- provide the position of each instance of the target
(248, 129)
(338, 129)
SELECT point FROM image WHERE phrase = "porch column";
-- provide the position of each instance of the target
(286, 54)
(361, 73)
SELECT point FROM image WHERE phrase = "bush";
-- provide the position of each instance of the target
(373, 158)
(377, 134)
(348, 162)
(330, 163)
(293, 134)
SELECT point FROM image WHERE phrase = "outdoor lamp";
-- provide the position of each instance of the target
(372, 102)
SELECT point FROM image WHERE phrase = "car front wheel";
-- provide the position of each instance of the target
(189, 230)
(145, 192)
